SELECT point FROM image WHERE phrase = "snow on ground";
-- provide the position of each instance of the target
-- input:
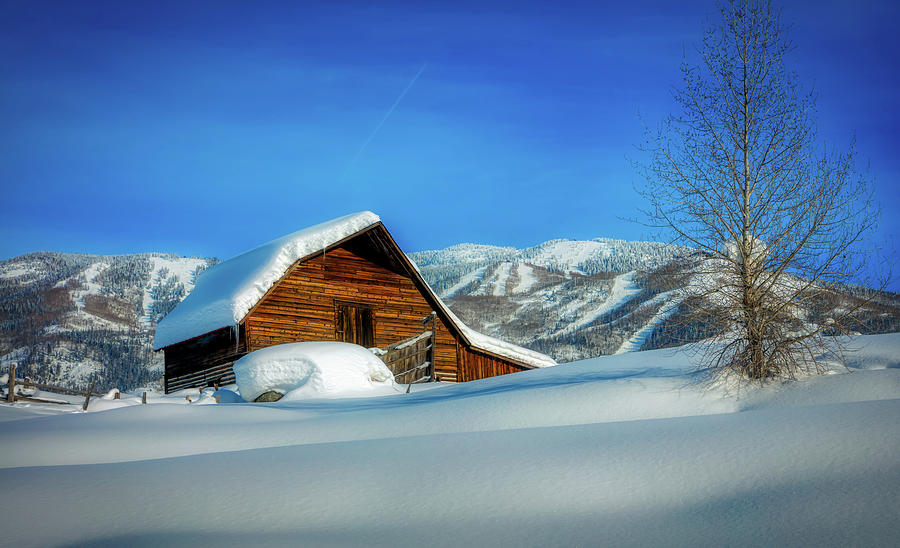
(15, 272)
(470, 277)
(88, 286)
(629, 450)
(527, 279)
(501, 276)
(582, 312)
(640, 336)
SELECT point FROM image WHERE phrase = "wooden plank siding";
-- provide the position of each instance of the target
(208, 358)
(475, 365)
(303, 306)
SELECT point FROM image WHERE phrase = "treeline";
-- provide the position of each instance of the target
(106, 356)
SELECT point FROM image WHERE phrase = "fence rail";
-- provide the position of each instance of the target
(412, 360)
(26, 383)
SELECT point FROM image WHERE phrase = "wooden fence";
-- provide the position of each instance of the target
(412, 360)
(11, 395)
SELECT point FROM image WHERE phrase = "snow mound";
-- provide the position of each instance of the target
(311, 370)
(225, 293)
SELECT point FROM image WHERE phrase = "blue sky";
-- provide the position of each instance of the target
(207, 128)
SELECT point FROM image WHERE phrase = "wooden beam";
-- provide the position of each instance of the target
(11, 396)
(87, 399)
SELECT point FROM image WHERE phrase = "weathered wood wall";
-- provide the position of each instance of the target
(475, 365)
(208, 358)
(302, 306)
(409, 360)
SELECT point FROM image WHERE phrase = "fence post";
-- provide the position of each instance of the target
(87, 399)
(11, 397)
(433, 345)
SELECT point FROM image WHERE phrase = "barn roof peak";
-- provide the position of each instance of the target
(225, 293)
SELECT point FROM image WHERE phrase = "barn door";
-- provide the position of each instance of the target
(354, 325)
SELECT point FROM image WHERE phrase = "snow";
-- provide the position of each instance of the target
(15, 272)
(583, 312)
(470, 277)
(567, 255)
(227, 291)
(497, 346)
(527, 279)
(493, 284)
(501, 277)
(629, 450)
(311, 370)
(491, 344)
(88, 285)
(636, 341)
(182, 267)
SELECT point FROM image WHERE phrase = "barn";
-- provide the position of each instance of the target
(342, 280)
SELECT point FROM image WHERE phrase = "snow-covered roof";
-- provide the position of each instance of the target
(225, 293)
(500, 347)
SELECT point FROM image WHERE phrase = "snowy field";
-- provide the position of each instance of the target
(628, 450)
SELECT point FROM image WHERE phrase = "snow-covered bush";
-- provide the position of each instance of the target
(310, 370)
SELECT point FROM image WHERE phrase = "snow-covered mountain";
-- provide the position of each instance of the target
(68, 318)
(570, 299)
(579, 299)
(450, 270)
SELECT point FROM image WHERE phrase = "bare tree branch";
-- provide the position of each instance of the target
(776, 219)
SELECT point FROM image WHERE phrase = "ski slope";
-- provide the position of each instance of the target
(629, 450)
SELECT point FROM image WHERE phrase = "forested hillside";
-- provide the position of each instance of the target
(70, 318)
(578, 299)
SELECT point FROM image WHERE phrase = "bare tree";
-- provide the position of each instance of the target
(776, 219)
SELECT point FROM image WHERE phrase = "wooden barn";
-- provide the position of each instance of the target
(343, 280)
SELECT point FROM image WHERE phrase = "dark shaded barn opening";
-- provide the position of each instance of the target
(354, 324)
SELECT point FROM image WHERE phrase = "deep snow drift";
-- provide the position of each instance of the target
(630, 450)
(309, 370)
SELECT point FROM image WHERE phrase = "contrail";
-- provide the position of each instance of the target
(383, 120)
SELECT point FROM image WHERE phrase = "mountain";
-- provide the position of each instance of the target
(579, 299)
(569, 299)
(67, 318)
